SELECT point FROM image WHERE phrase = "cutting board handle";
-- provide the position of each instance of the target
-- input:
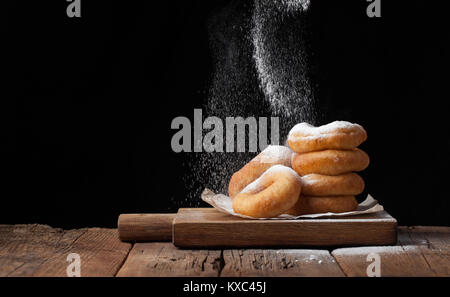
(145, 227)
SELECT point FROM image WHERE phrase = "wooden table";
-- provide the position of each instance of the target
(39, 250)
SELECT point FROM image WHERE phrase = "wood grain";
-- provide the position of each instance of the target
(163, 259)
(285, 262)
(145, 227)
(39, 250)
(421, 251)
(206, 227)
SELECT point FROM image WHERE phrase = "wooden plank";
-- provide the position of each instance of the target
(163, 259)
(433, 244)
(145, 227)
(430, 236)
(287, 262)
(421, 251)
(39, 250)
(206, 227)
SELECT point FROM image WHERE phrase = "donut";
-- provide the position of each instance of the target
(272, 155)
(273, 193)
(312, 205)
(340, 135)
(328, 185)
(330, 162)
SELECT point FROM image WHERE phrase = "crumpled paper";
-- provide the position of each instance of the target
(223, 204)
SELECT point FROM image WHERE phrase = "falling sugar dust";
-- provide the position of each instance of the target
(261, 68)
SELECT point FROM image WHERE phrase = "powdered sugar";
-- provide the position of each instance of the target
(253, 187)
(280, 58)
(256, 184)
(309, 179)
(260, 54)
(274, 153)
(281, 168)
(308, 130)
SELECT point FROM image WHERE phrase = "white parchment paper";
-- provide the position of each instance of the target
(223, 204)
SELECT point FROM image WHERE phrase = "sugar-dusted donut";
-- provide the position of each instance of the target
(330, 162)
(344, 135)
(272, 194)
(313, 205)
(272, 155)
(332, 185)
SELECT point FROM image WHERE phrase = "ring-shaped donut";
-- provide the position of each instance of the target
(273, 193)
(272, 155)
(344, 135)
(330, 162)
(313, 205)
(332, 185)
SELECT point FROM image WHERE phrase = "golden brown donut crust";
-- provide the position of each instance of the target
(330, 162)
(271, 195)
(272, 155)
(342, 135)
(313, 205)
(348, 184)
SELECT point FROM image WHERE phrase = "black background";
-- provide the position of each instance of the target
(86, 104)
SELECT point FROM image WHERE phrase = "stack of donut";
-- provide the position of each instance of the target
(315, 175)
(326, 158)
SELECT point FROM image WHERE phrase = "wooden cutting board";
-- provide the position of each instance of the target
(207, 227)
